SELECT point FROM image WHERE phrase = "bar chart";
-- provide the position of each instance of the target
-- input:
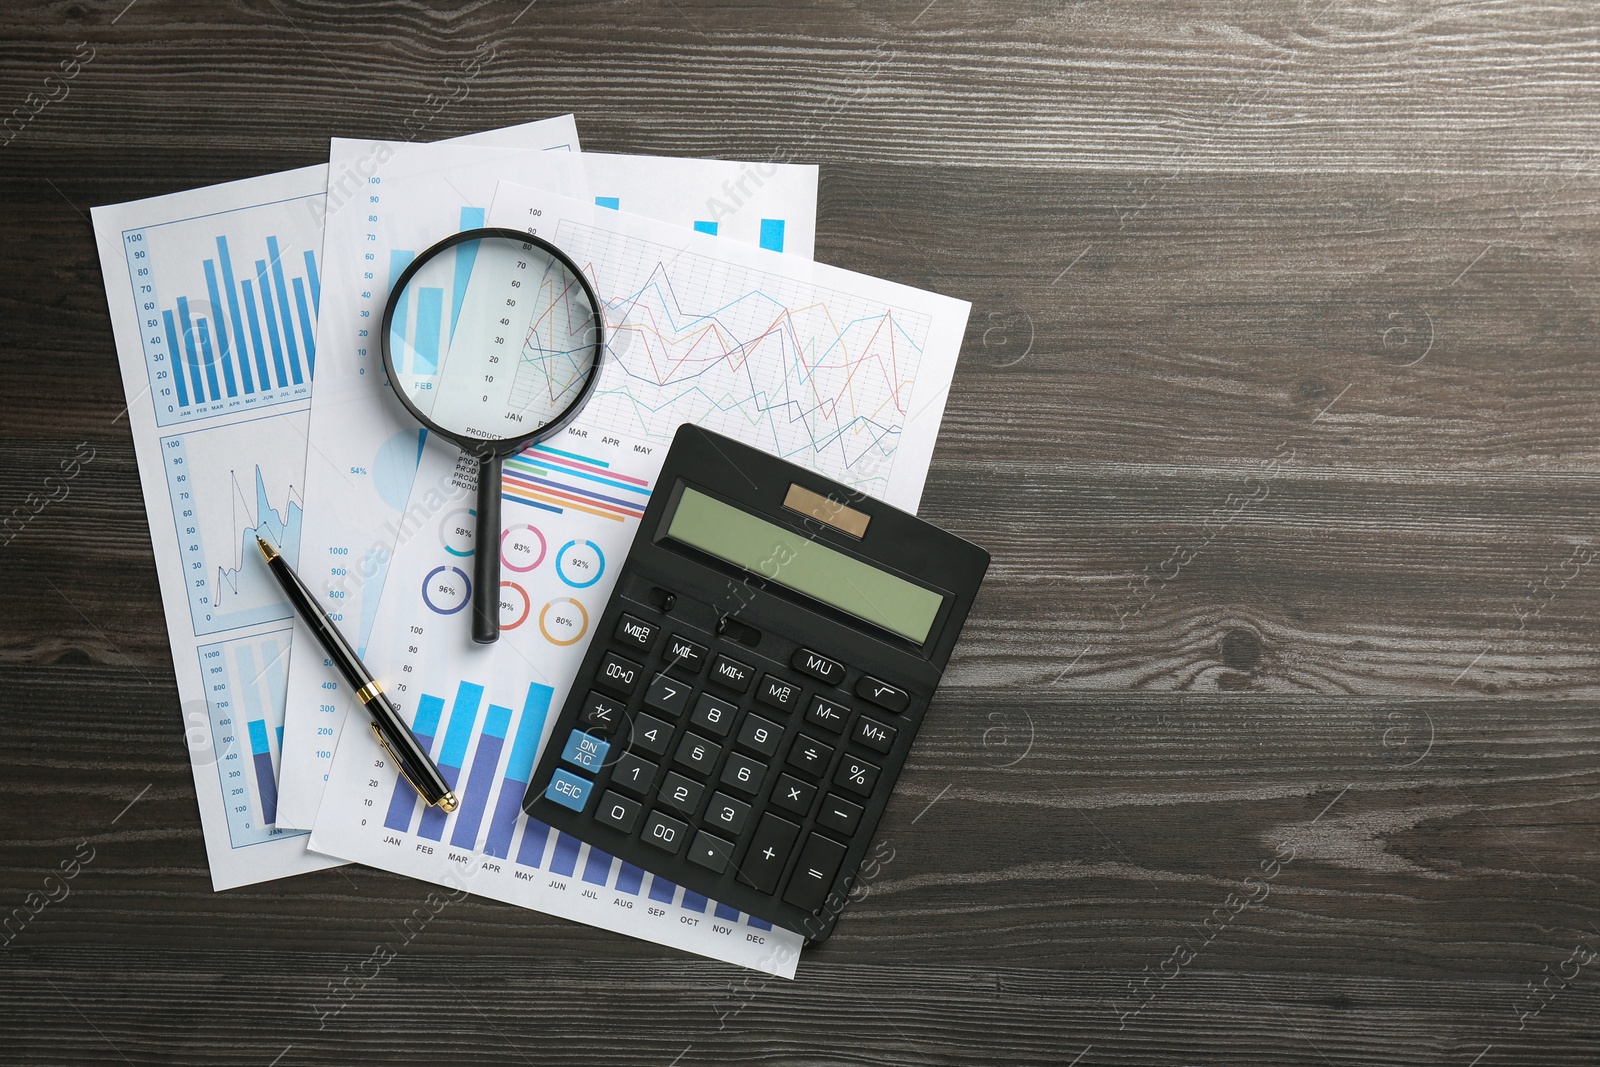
(235, 328)
(418, 333)
(467, 734)
(245, 687)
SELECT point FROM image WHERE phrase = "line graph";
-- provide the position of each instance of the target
(226, 584)
(820, 376)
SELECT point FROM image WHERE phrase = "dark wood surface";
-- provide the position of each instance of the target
(1277, 410)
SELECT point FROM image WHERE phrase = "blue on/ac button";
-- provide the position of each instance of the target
(585, 750)
(568, 790)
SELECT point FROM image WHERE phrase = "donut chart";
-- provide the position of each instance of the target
(580, 564)
(457, 532)
(563, 621)
(446, 590)
(514, 605)
(522, 548)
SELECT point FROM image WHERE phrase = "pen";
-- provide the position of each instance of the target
(392, 733)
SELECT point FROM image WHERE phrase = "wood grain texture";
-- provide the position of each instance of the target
(1277, 410)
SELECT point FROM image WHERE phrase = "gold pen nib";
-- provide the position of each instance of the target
(267, 551)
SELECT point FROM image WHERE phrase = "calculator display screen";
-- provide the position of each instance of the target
(791, 559)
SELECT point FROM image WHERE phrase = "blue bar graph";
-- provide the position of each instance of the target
(722, 911)
(772, 234)
(463, 718)
(519, 767)
(629, 879)
(531, 851)
(759, 924)
(220, 329)
(466, 255)
(565, 858)
(693, 901)
(199, 270)
(597, 869)
(706, 227)
(480, 780)
(266, 780)
(430, 307)
(174, 345)
(403, 804)
(662, 890)
(612, 202)
(281, 288)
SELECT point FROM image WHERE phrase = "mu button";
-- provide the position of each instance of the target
(830, 671)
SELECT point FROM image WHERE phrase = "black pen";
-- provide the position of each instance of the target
(392, 732)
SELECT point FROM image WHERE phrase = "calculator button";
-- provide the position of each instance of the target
(711, 852)
(685, 655)
(769, 850)
(856, 775)
(713, 715)
(828, 715)
(651, 734)
(634, 774)
(618, 811)
(680, 794)
(695, 751)
(791, 794)
(635, 631)
(568, 790)
(726, 813)
(778, 693)
(732, 673)
(668, 695)
(620, 674)
(813, 876)
(743, 773)
(810, 755)
(601, 713)
(839, 814)
(883, 694)
(586, 751)
(664, 832)
(759, 734)
(874, 734)
(829, 670)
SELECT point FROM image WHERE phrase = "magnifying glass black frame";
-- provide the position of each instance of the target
(490, 454)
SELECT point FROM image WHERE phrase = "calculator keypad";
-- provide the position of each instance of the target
(750, 769)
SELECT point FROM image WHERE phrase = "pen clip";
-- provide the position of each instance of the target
(398, 765)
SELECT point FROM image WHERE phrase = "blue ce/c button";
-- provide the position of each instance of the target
(568, 790)
(585, 750)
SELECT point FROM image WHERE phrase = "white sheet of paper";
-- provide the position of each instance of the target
(698, 329)
(351, 530)
(220, 438)
(362, 446)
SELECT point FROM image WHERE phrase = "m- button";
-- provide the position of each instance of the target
(828, 670)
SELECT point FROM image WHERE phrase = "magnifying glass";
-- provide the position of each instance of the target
(492, 339)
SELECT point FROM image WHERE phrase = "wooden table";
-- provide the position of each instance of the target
(1272, 738)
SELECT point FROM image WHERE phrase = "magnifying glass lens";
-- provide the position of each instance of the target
(492, 339)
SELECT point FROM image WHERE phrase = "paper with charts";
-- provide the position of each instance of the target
(214, 296)
(364, 447)
(835, 370)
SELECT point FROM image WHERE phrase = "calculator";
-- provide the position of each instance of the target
(756, 681)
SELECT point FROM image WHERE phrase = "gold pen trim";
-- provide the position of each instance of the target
(368, 691)
(267, 550)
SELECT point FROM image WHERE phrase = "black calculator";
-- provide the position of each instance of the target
(755, 683)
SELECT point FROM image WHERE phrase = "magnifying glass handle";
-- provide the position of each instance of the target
(486, 557)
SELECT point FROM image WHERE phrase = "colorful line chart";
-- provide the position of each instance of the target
(820, 376)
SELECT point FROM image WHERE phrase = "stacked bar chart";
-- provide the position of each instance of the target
(233, 329)
(245, 689)
(467, 734)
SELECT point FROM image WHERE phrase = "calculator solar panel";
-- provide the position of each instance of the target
(755, 682)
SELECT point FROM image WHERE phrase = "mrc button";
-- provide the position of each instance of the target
(828, 670)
